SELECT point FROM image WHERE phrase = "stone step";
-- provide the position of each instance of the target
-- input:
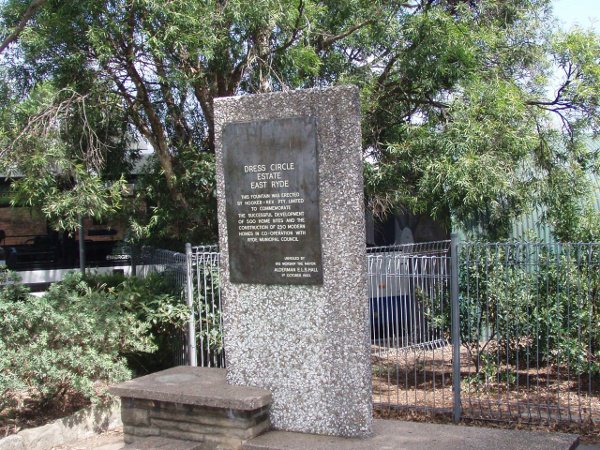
(160, 443)
(192, 403)
(199, 386)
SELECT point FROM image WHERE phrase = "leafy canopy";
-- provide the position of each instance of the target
(473, 112)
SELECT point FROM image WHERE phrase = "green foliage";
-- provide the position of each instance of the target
(158, 224)
(57, 142)
(531, 303)
(89, 330)
(576, 55)
(464, 116)
(11, 287)
(66, 340)
(569, 200)
(156, 301)
(164, 63)
(468, 123)
(490, 374)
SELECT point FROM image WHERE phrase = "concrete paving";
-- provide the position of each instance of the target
(389, 435)
(114, 441)
(398, 435)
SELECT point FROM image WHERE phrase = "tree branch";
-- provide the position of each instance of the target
(28, 14)
(182, 133)
(295, 33)
(55, 116)
(557, 99)
(156, 127)
(324, 44)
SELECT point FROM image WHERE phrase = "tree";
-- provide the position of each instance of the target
(457, 116)
(463, 123)
(167, 61)
(13, 35)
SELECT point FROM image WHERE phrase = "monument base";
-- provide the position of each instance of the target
(194, 404)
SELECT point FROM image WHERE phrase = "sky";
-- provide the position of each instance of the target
(584, 13)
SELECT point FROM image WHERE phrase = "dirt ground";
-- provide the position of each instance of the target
(416, 383)
(33, 414)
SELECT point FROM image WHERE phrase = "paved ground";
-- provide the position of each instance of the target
(389, 435)
(397, 435)
(111, 440)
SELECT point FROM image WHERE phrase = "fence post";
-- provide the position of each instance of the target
(189, 295)
(455, 311)
(134, 255)
(81, 245)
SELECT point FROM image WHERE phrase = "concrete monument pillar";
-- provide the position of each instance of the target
(292, 237)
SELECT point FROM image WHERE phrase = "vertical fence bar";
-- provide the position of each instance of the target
(189, 296)
(134, 259)
(456, 407)
(81, 245)
(200, 273)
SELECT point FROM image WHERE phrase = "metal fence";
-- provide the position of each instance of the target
(489, 331)
(522, 324)
(530, 332)
(204, 293)
(146, 261)
(196, 273)
(402, 279)
(408, 291)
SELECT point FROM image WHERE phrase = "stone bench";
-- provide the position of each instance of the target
(194, 404)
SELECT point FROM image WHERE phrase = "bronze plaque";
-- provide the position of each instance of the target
(272, 201)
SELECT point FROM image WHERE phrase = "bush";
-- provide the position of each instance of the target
(532, 301)
(66, 340)
(156, 300)
(525, 305)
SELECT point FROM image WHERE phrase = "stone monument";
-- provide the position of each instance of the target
(292, 238)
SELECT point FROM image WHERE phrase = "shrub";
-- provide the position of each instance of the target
(66, 340)
(526, 301)
(156, 300)
(525, 305)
